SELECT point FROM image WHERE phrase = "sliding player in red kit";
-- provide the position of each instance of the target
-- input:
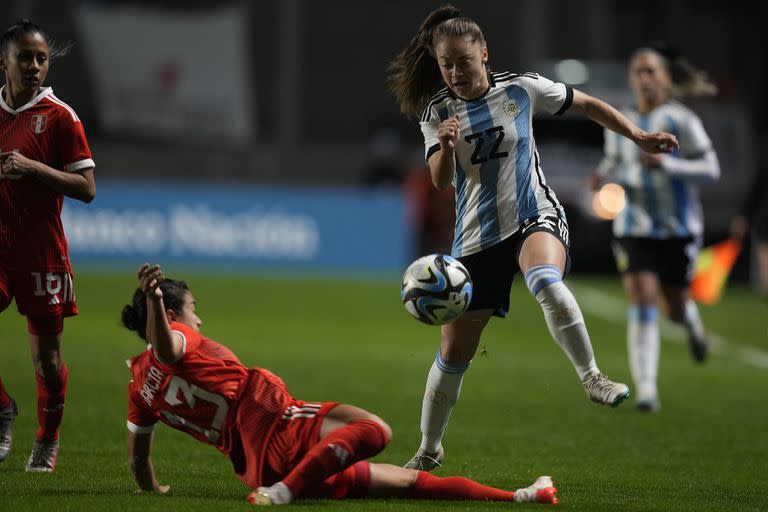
(44, 156)
(282, 448)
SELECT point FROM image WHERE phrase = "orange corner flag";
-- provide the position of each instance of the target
(713, 266)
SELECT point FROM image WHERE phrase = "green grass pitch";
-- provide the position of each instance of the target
(522, 412)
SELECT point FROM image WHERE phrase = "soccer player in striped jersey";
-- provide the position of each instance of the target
(658, 233)
(478, 137)
(282, 448)
(44, 156)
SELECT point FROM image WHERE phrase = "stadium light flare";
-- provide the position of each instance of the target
(609, 201)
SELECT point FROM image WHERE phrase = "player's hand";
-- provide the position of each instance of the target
(448, 132)
(657, 142)
(150, 277)
(14, 165)
(651, 160)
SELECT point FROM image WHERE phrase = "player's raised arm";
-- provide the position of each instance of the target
(140, 462)
(442, 164)
(608, 117)
(168, 345)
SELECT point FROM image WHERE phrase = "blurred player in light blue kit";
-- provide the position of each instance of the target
(658, 233)
(478, 137)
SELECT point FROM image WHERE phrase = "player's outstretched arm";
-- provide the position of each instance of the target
(167, 344)
(80, 184)
(140, 462)
(608, 117)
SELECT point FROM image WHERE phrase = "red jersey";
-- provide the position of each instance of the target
(201, 394)
(46, 130)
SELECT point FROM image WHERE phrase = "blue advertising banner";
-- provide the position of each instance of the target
(258, 226)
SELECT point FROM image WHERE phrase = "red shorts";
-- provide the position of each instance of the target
(296, 433)
(38, 294)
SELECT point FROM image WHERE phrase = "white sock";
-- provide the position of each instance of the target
(280, 494)
(643, 346)
(563, 316)
(441, 393)
(692, 321)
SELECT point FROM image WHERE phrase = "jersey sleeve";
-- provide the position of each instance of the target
(72, 145)
(611, 157)
(429, 125)
(548, 96)
(140, 420)
(694, 140)
(191, 339)
(696, 158)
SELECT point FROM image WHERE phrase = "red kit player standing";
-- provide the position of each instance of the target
(281, 447)
(44, 156)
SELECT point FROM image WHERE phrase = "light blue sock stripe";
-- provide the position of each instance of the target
(541, 276)
(450, 367)
(534, 272)
(531, 279)
(643, 314)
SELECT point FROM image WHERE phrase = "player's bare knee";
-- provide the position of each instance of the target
(48, 367)
(385, 428)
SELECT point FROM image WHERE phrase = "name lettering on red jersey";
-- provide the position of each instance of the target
(151, 384)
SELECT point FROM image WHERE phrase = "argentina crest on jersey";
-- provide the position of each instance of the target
(512, 109)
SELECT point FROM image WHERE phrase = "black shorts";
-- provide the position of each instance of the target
(493, 269)
(672, 259)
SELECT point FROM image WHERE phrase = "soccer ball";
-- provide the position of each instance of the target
(436, 289)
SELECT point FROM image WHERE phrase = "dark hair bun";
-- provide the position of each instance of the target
(130, 317)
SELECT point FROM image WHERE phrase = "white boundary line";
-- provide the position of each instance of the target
(606, 307)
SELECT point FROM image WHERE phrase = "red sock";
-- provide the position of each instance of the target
(343, 447)
(51, 393)
(5, 399)
(430, 487)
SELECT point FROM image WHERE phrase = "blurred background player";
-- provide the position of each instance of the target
(752, 220)
(44, 156)
(282, 447)
(478, 137)
(658, 234)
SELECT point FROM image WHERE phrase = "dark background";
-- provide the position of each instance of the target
(323, 114)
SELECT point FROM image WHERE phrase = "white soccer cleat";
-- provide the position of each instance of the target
(43, 457)
(426, 461)
(603, 391)
(7, 416)
(277, 494)
(543, 490)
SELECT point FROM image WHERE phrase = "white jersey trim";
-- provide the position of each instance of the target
(45, 91)
(138, 429)
(183, 342)
(80, 165)
(71, 111)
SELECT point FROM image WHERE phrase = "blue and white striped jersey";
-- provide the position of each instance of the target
(661, 203)
(499, 182)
